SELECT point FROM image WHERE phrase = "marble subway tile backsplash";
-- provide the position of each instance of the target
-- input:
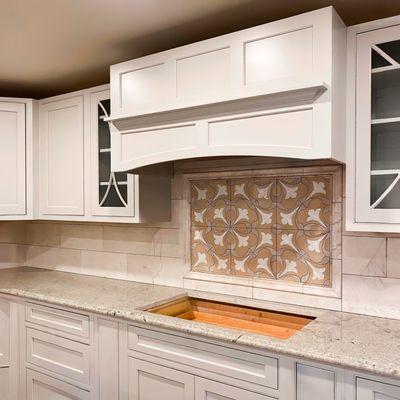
(365, 267)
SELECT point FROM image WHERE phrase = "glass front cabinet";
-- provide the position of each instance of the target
(375, 196)
(112, 192)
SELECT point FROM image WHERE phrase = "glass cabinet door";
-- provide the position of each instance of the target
(378, 126)
(112, 192)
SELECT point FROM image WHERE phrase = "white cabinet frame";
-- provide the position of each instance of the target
(96, 209)
(356, 180)
(23, 208)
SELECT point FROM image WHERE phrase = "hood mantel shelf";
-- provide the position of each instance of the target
(275, 90)
(259, 100)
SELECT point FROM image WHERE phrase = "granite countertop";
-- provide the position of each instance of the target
(365, 343)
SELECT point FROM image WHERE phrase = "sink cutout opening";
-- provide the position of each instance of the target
(270, 323)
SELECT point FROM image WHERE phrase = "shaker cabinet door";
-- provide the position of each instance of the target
(211, 390)
(12, 158)
(148, 381)
(371, 390)
(62, 157)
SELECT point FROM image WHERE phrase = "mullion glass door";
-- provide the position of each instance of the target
(378, 126)
(113, 191)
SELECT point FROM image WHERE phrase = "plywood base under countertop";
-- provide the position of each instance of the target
(270, 323)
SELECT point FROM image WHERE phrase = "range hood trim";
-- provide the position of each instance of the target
(306, 93)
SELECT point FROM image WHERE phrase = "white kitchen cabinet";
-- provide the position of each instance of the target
(42, 387)
(4, 333)
(373, 157)
(113, 193)
(206, 389)
(76, 182)
(4, 383)
(317, 383)
(373, 390)
(262, 91)
(16, 168)
(62, 157)
(148, 381)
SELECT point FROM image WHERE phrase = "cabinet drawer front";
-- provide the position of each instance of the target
(42, 387)
(151, 381)
(237, 364)
(62, 356)
(76, 324)
(371, 390)
(211, 390)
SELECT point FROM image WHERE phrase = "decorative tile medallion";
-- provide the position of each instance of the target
(265, 227)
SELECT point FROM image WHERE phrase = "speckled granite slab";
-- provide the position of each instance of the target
(365, 343)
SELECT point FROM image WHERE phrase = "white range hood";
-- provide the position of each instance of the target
(273, 90)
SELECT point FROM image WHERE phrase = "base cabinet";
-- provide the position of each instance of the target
(43, 387)
(371, 390)
(4, 383)
(149, 381)
(316, 383)
(210, 390)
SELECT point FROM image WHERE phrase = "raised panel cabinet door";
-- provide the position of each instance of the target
(316, 383)
(112, 193)
(12, 158)
(42, 387)
(4, 333)
(210, 390)
(148, 381)
(62, 157)
(372, 390)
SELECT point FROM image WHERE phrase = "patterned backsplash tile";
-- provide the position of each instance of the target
(267, 227)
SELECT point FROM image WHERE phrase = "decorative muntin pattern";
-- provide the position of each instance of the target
(266, 227)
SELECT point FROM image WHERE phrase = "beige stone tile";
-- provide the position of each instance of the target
(85, 237)
(364, 256)
(171, 272)
(177, 216)
(13, 232)
(156, 270)
(216, 287)
(142, 268)
(43, 234)
(371, 296)
(12, 255)
(61, 259)
(177, 188)
(336, 231)
(132, 240)
(393, 258)
(109, 265)
(297, 298)
(34, 256)
(170, 243)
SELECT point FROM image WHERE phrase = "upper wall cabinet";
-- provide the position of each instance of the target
(75, 178)
(16, 143)
(374, 127)
(62, 157)
(273, 90)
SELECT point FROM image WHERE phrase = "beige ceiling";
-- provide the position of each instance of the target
(54, 46)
